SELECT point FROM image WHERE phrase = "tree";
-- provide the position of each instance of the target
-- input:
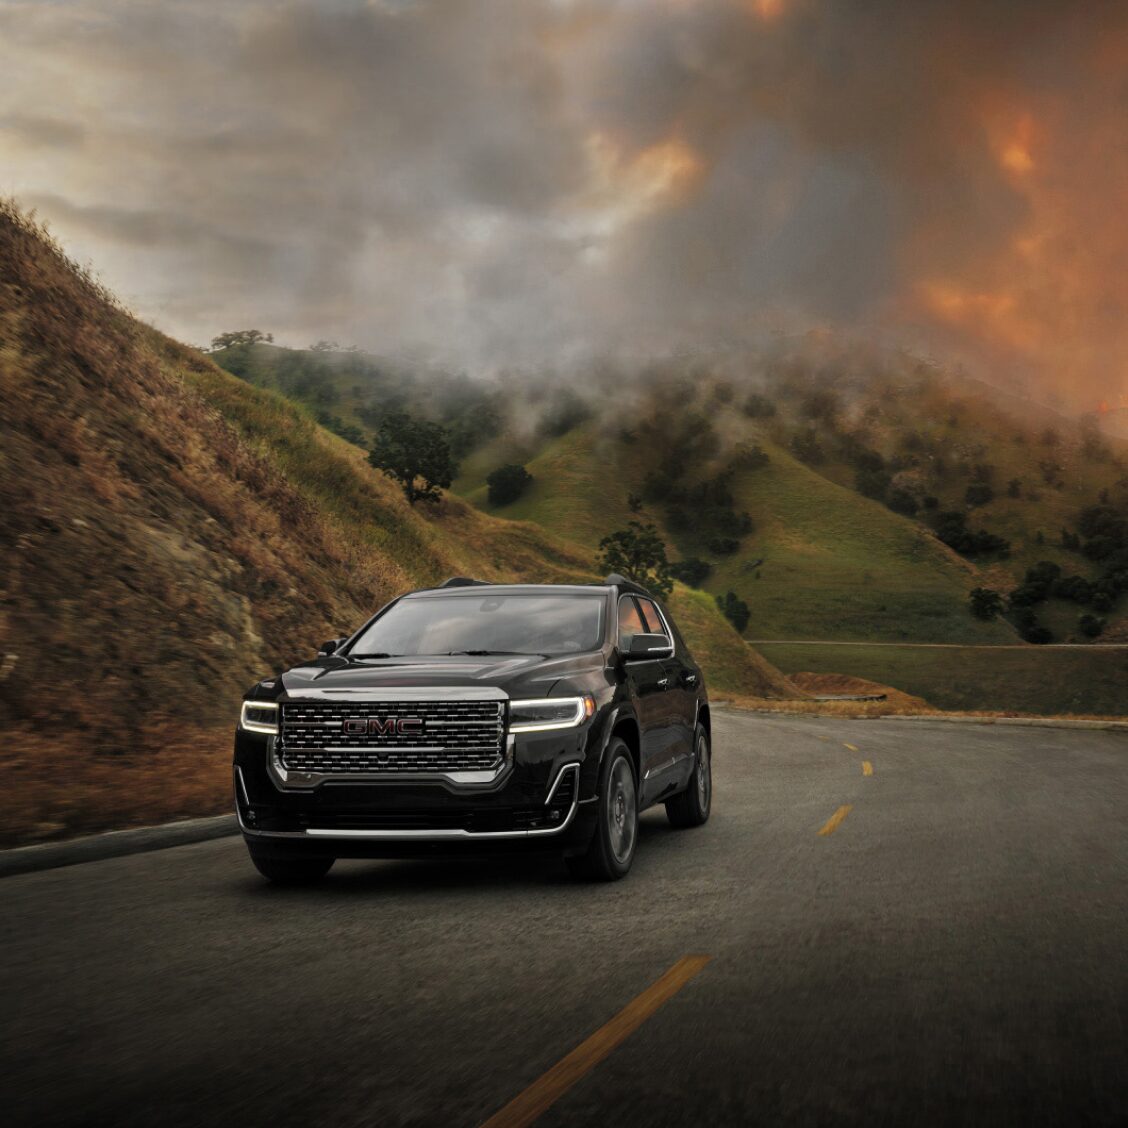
(638, 553)
(735, 610)
(507, 483)
(240, 337)
(692, 570)
(985, 604)
(416, 454)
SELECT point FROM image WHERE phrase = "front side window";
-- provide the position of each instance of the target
(506, 623)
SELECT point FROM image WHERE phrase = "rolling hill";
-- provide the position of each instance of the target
(871, 462)
(172, 534)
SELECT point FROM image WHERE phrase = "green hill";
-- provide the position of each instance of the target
(866, 460)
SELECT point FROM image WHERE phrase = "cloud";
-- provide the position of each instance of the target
(525, 181)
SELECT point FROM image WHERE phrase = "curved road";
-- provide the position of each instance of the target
(906, 922)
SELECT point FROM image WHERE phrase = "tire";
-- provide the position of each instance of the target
(290, 871)
(691, 806)
(612, 848)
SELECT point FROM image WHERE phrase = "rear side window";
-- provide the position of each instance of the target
(653, 620)
(630, 622)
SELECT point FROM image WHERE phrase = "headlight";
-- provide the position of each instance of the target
(547, 713)
(259, 716)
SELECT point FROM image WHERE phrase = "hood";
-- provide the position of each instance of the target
(524, 675)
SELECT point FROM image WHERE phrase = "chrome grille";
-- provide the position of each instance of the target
(455, 736)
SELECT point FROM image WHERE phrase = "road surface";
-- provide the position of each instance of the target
(906, 922)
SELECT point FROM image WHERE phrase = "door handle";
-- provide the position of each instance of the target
(689, 679)
(663, 682)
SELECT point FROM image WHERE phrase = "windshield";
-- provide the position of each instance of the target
(504, 624)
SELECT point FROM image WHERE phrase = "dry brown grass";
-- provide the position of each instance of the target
(67, 787)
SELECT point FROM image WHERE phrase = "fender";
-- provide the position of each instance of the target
(589, 775)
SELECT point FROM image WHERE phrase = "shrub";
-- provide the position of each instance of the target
(735, 610)
(692, 570)
(985, 603)
(903, 502)
(1091, 626)
(507, 483)
(872, 483)
(805, 446)
(723, 546)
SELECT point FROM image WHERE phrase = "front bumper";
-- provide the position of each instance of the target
(544, 795)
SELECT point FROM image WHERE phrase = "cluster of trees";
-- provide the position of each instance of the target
(1044, 581)
(950, 526)
(639, 553)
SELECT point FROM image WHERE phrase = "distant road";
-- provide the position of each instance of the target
(905, 923)
(942, 645)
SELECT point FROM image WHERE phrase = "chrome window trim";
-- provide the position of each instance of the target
(662, 650)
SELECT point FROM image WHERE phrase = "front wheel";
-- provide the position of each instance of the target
(290, 871)
(612, 848)
(691, 807)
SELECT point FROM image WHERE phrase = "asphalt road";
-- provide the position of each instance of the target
(955, 950)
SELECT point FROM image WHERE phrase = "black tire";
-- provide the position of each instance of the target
(691, 806)
(280, 870)
(612, 848)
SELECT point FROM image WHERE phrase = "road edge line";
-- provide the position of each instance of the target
(114, 844)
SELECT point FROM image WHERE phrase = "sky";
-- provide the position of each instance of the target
(500, 183)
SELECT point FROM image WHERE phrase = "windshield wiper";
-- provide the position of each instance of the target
(376, 654)
(489, 653)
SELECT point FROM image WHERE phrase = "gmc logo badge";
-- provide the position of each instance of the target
(383, 726)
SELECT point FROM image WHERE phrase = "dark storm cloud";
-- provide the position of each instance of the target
(510, 180)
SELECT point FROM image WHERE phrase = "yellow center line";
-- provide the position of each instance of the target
(867, 768)
(835, 820)
(852, 747)
(551, 1086)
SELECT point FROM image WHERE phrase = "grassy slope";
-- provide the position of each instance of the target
(837, 565)
(1035, 680)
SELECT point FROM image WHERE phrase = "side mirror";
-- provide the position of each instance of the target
(330, 647)
(649, 646)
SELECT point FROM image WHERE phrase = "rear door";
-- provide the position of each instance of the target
(681, 687)
(647, 680)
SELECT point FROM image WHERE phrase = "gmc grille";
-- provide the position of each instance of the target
(455, 736)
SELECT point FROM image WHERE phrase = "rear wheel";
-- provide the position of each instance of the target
(691, 807)
(612, 848)
(280, 870)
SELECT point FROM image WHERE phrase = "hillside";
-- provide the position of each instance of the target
(172, 534)
(875, 465)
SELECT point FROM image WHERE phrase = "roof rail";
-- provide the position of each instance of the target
(464, 581)
(615, 580)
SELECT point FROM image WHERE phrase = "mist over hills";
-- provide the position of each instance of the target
(844, 491)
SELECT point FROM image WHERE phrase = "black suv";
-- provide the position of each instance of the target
(478, 716)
